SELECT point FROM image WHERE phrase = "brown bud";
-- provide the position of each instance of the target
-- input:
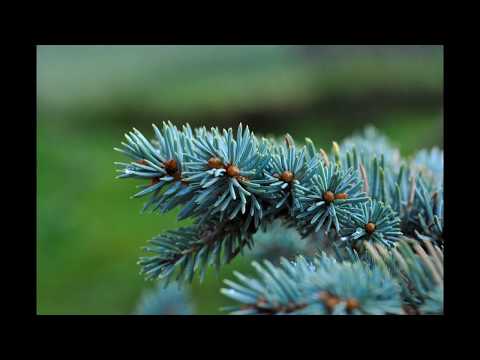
(370, 227)
(286, 176)
(154, 180)
(328, 196)
(233, 171)
(171, 166)
(331, 302)
(352, 304)
(341, 196)
(215, 163)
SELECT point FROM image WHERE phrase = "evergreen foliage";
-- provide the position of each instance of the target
(328, 226)
(164, 301)
(277, 241)
(328, 199)
(391, 281)
(323, 286)
(373, 221)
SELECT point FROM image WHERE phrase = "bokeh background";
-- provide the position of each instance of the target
(90, 232)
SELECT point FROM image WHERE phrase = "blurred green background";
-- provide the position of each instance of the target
(89, 232)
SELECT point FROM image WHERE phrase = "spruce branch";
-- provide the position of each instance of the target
(321, 287)
(185, 251)
(358, 201)
(160, 165)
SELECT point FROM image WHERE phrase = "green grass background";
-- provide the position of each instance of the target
(90, 232)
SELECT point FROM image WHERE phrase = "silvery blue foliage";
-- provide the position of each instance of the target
(372, 221)
(277, 291)
(224, 173)
(285, 174)
(172, 300)
(418, 270)
(277, 241)
(433, 303)
(369, 144)
(395, 280)
(396, 182)
(323, 286)
(162, 164)
(430, 164)
(330, 196)
(428, 213)
(353, 288)
(237, 188)
(178, 254)
(419, 207)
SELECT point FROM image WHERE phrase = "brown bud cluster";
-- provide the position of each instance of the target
(331, 301)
